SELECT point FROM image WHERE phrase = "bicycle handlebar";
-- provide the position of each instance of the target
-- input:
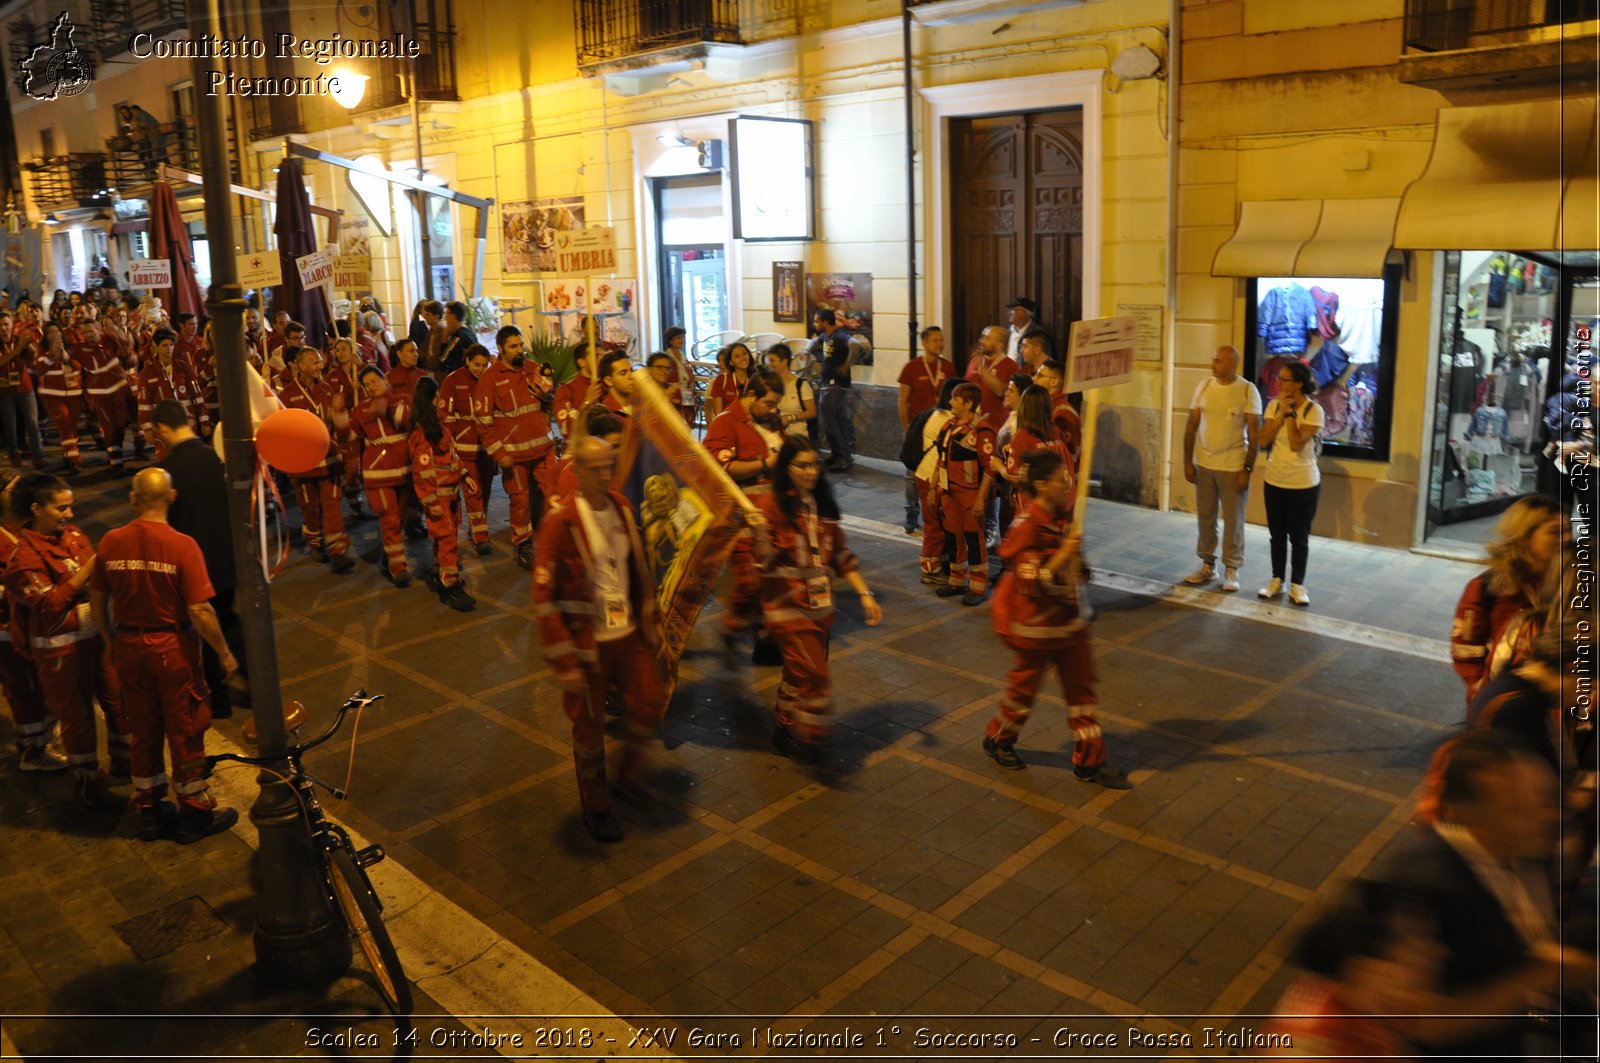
(359, 700)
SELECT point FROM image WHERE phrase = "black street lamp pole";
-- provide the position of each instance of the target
(298, 940)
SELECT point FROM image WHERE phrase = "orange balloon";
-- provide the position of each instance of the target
(294, 441)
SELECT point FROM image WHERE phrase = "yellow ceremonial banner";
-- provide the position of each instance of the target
(690, 512)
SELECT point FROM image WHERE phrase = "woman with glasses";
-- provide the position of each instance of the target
(1289, 430)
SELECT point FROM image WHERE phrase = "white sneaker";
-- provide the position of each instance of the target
(42, 759)
(1203, 574)
(1230, 579)
(1298, 595)
(1272, 589)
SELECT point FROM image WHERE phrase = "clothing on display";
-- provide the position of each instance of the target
(1336, 327)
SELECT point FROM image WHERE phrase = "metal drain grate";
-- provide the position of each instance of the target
(169, 929)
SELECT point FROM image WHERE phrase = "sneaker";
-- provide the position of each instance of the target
(1004, 755)
(484, 549)
(341, 563)
(456, 597)
(1298, 595)
(1105, 775)
(43, 760)
(786, 744)
(972, 598)
(1273, 588)
(603, 826)
(1230, 579)
(525, 554)
(1203, 574)
(194, 824)
(951, 590)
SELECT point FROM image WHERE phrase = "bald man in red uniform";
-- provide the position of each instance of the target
(150, 585)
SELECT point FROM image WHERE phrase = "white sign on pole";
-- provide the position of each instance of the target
(260, 270)
(150, 272)
(1101, 352)
(352, 273)
(585, 251)
(315, 268)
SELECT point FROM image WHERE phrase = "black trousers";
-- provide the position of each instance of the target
(216, 679)
(1289, 514)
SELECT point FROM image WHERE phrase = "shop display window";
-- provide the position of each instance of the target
(1343, 328)
(1495, 366)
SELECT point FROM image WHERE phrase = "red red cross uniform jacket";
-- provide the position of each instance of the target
(1479, 619)
(385, 454)
(734, 437)
(403, 380)
(18, 680)
(680, 387)
(52, 619)
(158, 383)
(563, 593)
(964, 453)
(17, 354)
(924, 382)
(569, 401)
(319, 398)
(60, 387)
(346, 392)
(992, 408)
(106, 386)
(1069, 424)
(435, 475)
(510, 412)
(477, 470)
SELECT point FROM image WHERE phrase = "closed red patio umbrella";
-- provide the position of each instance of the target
(170, 238)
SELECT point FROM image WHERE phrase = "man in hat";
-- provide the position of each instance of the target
(1024, 322)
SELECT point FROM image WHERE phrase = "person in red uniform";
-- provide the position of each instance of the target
(405, 374)
(680, 382)
(739, 443)
(962, 482)
(617, 392)
(596, 608)
(729, 386)
(801, 548)
(516, 434)
(1036, 615)
(575, 394)
(30, 721)
(186, 345)
(163, 377)
(19, 416)
(477, 468)
(1068, 424)
(665, 374)
(47, 583)
(382, 420)
(60, 387)
(317, 490)
(1035, 432)
(149, 584)
(599, 422)
(344, 369)
(106, 386)
(991, 370)
(436, 473)
(920, 383)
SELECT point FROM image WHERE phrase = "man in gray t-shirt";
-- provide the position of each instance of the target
(1219, 450)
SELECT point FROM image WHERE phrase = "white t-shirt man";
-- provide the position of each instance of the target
(1225, 410)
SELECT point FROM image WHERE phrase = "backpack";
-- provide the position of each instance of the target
(911, 449)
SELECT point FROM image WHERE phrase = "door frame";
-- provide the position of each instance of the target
(1043, 92)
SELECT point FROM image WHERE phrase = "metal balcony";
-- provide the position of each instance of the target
(1449, 25)
(131, 161)
(75, 180)
(116, 21)
(1494, 44)
(615, 29)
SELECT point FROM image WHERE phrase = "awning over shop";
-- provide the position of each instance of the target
(1519, 176)
(1309, 238)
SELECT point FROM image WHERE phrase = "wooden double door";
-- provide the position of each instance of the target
(1016, 210)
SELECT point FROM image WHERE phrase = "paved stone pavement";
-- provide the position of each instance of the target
(909, 878)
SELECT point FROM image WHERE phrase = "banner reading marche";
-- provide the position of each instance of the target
(689, 513)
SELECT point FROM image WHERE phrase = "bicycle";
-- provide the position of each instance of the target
(344, 867)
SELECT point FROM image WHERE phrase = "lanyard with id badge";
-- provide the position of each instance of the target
(606, 561)
(819, 583)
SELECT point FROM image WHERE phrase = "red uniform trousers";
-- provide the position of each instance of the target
(956, 516)
(443, 530)
(73, 678)
(934, 540)
(628, 665)
(350, 454)
(1074, 664)
(742, 611)
(805, 692)
(66, 413)
(111, 413)
(527, 487)
(164, 697)
(20, 684)
(477, 476)
(321, 520)
(389, 504)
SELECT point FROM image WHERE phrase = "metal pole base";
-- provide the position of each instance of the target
(299, 941)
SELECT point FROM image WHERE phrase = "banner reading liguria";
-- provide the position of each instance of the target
(689, 513)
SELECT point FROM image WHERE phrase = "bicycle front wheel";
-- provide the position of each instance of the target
(363, 915)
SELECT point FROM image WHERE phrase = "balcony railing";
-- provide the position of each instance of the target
(1447, 25)
(614, 29)
(116, 21)
(273, 116)
(75, 180)
(434, 69)
(131, 161)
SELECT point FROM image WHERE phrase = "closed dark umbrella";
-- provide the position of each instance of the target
(297, 237)
(171, 239)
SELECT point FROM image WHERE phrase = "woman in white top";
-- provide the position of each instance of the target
(799, 403)
(1289, 430)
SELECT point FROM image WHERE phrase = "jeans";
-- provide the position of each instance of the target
(837, 409)
(913, 501)
(1214, 490)
(14, 404)
(1289, 514)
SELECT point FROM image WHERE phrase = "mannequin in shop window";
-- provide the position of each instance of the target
(1492, 465)
(1286, 319)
